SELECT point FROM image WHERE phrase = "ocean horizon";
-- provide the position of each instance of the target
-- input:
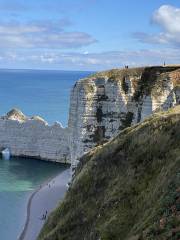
(45, 93)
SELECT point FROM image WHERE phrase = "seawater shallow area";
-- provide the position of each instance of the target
(19, 177)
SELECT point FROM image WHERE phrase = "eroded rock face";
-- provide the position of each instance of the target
(33, 137)
(107, 102)
(100, 107)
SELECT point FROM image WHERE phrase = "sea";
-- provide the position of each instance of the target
(35, 92)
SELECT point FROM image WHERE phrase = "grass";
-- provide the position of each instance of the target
(128, 188)
(145, 80)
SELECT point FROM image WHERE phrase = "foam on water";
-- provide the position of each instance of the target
(6, 154)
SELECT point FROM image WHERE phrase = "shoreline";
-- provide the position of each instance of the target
(22, 235)
(32, 198)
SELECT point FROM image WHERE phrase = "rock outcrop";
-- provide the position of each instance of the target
(33, 137)
(107, 102)
(100, 107)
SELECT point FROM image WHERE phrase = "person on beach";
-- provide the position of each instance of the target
(43, 217)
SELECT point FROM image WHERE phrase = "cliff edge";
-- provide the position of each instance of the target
(107, 102)
(101, 106)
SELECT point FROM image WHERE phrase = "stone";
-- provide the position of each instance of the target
(101, 106)
(32, 137)
(107, 102)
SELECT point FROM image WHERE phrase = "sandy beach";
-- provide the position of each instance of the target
(42, 202)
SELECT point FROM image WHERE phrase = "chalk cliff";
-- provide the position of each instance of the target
(107, 102)
(100, 107)
(33, 137)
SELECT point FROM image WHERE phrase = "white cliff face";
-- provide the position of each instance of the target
(100, 107)
(33, 137)
(106, 103)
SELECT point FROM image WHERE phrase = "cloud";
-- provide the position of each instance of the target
(89, 61)
(42, 34)
(167, 17)
(160, 38)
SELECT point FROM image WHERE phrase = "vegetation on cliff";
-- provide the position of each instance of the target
(145, 80)
(127, 189)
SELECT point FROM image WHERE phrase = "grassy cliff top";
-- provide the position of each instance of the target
(127, 189)
(113, 73)
(136, 71)
(144, 80)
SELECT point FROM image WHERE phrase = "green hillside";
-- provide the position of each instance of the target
(127, 189)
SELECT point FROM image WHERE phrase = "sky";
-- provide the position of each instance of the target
(88, 34)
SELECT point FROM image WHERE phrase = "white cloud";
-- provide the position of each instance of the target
(91, 61)
(167, 17)
(43, 34)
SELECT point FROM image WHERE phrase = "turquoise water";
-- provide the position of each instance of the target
(38, 92)
(18, 178)
(35, 92)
